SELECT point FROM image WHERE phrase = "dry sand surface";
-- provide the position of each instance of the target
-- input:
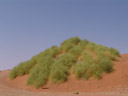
(113, 84)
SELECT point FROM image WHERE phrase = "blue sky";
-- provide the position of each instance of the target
(27, 27)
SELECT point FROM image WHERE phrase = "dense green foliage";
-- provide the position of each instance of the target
(85, 59)
(39, 74)
(23, 68)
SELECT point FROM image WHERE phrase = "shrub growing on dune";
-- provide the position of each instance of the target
(86, 55)
(66, 47)
(66, 59)
(38, 77)
(39, 74)
(91, 67)
(91, 46)
(54, 51)
(69, 43)
(74, 40)
(110, 56)
(23, 68)
(83, 43)
(85, 59)
(114, 51)
(106, 65)
(76, 51)
(43, 54)
(80, 70)
(99, 49)
(59, 72)
(95, 71)
(85, 68)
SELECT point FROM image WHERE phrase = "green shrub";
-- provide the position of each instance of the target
(23, 68)
(73, 40)
(69, 43)
(106, 65)
(80, 70)
(114, 52)
(95, 71)
(110, 56)
(83, 43)
(100, 49)
(13, 73)
(40, 72)
(54, 51)
(38, 76)
(84, 58)
(90, 46)
(67, 59)
(59, 72)
(76, 51)
(66, 47)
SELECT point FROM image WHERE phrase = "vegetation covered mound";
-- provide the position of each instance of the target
(85, 59)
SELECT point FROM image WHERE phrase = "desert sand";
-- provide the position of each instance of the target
(113, 84)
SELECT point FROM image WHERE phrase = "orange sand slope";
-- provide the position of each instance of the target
(116, 82)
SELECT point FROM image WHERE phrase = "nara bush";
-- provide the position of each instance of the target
(69, 43)
(85, 59)
(59, 72)
(40, 72)
(83, 43)
(23, 68)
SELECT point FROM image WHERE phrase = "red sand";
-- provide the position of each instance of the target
(116, 82)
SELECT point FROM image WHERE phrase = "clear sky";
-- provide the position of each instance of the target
(27, 27)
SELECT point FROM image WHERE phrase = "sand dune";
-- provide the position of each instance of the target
(113, 84)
